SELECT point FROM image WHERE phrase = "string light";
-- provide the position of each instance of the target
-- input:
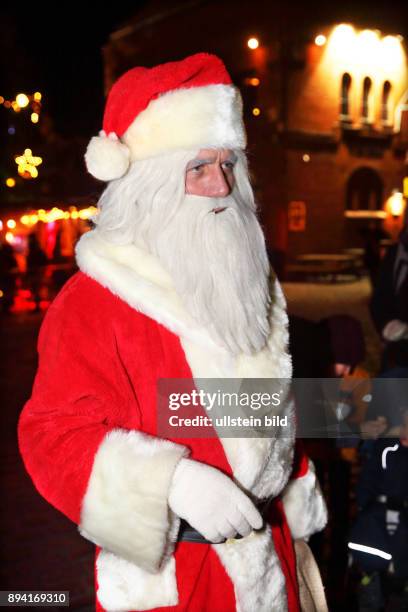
(57, 214)
(10, 182)
(253, 81)
(253, 43)
(22, 100)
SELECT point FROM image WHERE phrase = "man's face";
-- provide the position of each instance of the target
(211, 173)
(198, 216)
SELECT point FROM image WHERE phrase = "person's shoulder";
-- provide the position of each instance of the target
(82, 291)
(83, 302)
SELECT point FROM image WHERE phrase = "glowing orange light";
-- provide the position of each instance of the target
(10, 237)
(11, 224)
(320, 40)
(10, 182)
(306, 158)
(34, 117)
(253, 43)
(37, 96)
(1, 99)
(256, 111)
(395, 204)
(22, 100)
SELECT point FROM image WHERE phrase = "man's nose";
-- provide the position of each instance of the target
(219, 186)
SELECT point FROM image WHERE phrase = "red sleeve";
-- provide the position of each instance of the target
(74, 401)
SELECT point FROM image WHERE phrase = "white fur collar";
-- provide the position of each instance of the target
(260, 465)
(138, 278)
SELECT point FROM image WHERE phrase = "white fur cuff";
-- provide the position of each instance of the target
(125, 507)
(304, 505)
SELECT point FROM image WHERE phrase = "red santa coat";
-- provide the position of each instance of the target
(88, 440)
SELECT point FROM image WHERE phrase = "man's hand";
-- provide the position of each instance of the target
(211, 503)
(373, 429)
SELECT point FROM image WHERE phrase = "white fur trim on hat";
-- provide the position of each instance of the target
(106, 157)
(198, 117)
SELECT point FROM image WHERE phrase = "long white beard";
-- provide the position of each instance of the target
(220, 268)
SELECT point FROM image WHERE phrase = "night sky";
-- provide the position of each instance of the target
(56, 49)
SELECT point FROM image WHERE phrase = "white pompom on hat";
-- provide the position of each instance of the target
(106, 157)
(150, 111)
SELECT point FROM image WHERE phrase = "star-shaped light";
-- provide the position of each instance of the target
(27, 164)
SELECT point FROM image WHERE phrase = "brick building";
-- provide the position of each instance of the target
(326, 105)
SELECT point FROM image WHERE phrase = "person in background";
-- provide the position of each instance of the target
(379, 536)
(372, 236)
(36, 260)
(389, 303)
(332, 348)
(8, 267)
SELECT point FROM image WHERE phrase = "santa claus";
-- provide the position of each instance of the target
(174, 282)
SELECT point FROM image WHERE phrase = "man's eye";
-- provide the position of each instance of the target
(228, 165)
(196, 169)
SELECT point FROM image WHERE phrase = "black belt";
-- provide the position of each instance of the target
(187, 533)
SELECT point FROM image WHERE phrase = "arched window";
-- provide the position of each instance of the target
(365, 107)
(364, 190)
(345, 97)
(385, 103)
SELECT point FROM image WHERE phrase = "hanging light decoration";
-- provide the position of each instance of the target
(27, 164)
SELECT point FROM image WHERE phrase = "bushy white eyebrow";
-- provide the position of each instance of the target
(201, 161)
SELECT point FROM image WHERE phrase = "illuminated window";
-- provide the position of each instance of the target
(345, 97)
(365, 106)
(385, 103)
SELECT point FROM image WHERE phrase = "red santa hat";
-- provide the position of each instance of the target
(179, 105)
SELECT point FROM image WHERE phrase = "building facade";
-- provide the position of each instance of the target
(326, 110)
